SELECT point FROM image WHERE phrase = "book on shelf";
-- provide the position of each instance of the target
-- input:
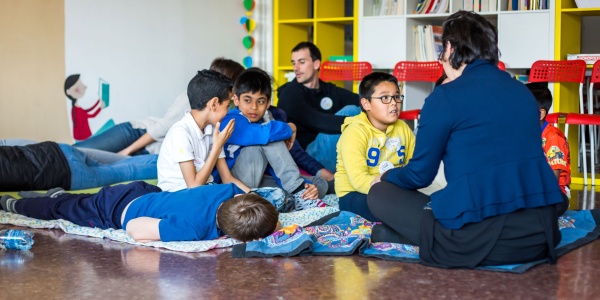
(589, 59)
(388, 7)
(481, 5)
(432, 6)
(428, 42)
(526, 4)
(468, 5)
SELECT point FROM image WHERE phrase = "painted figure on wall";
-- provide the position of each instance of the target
(75, 90)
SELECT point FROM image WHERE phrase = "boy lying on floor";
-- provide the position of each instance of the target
(148, 214)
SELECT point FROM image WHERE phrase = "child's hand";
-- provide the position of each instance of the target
(311, 192)
(376, 180)
(290, 142)
(221, 136)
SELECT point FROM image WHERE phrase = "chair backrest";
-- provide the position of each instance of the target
(332, 70)
(552, 118)
(557, 71)
(501, 65)
(582, 119)
(595, 78)
(429, 71)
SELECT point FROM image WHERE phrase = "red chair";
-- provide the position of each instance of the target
(428, 71)
(552, 118)
(592, 121)
(594, 78)
(562, 71)
(501, 65)
(355, 71)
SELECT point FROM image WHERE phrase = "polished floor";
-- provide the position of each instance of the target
(63, 266)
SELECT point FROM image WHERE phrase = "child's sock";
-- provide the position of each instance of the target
(302, 204)
(52, 193)
(7, 203)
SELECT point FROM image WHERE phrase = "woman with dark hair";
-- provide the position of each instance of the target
(499, 206)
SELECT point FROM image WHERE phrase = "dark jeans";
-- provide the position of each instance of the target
(357, 203)
(102, 210)
(114, 139)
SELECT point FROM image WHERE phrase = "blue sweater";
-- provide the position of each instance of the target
(485, 127)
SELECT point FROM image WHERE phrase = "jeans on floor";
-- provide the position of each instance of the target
(16, 142)
(323, 148)
(114, 139)
(89, 173)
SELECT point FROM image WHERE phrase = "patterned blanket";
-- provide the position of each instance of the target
(348, 233)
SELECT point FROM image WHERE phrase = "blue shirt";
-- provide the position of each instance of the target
(485, 127)
(185, 215)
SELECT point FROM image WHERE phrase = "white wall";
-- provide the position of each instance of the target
(147, 49)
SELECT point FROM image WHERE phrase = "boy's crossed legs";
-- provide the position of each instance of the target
(252, 162)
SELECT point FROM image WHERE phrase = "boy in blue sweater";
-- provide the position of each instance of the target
(148, 214)
(260, 143)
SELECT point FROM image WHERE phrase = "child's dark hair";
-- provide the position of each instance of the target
(227, 67)
(315, 53)
(247, 217)
(542, 94)
(70, 82)
(369, 82)
(472, 37)
(206, 85)
(254, 80)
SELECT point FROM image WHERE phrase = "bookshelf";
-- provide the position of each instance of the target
(330, 24)
(524, 36)
(571, 38)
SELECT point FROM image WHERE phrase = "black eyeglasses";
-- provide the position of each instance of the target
(387, 99)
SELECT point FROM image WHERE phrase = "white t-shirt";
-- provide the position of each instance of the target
(184, 141)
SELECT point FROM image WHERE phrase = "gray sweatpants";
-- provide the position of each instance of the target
(252, 162)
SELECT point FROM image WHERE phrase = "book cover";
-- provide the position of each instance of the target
(432, 4)
(493, 5)
(419, 7)
(429, 47)
(104, 91)
(400, 7)
(438, 45)
(443, 7)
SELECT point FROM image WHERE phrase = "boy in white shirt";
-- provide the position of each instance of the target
(194, 145)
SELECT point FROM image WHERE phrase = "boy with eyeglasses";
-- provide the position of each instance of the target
(372, 142)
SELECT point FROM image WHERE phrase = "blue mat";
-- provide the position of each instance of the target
(348, 233)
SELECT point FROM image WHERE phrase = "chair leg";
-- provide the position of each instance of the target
(592, 154)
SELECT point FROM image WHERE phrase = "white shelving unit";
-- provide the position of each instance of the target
(523, 37)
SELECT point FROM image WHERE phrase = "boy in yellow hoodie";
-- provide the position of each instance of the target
(372, 142)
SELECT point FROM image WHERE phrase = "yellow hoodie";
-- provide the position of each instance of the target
(362, 149)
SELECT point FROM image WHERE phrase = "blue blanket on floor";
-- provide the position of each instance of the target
(348, 232)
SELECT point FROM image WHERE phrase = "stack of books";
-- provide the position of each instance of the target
(527, 4)
(589, 59)
(432, 7)
(480, 5)
(428, 42)
(388, 7)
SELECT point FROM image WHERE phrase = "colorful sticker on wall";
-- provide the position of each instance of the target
(249, 25)
(74, 90)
